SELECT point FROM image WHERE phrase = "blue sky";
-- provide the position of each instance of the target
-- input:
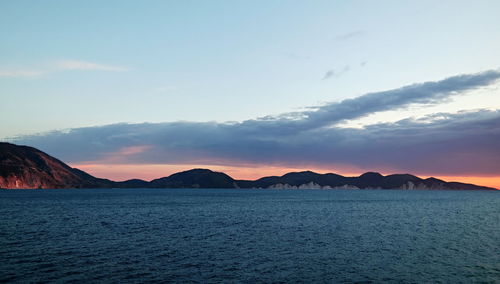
(226, 60)
(71, 64)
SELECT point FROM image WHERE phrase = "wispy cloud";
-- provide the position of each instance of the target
(439, 144)
(62, 65)
(333, 113)
(350, 35)
(292, 55)
(85, 65)
(333, 73)
(329, 74)
(20, 73)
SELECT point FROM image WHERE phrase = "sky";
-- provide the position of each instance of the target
(142, 89)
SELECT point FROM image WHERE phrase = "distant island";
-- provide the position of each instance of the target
(30, 168)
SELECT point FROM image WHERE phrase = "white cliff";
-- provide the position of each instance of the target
(310, 185)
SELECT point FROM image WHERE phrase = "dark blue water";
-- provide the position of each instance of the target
(213, 236)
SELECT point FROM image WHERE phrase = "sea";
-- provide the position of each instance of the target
(249, 236)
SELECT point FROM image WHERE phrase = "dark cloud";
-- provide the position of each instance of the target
(464, 143)
(333, 113)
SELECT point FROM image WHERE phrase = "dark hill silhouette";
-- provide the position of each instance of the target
(27, 167)
(195, 178)
(132, 183)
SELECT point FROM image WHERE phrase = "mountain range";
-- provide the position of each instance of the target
(27, 167)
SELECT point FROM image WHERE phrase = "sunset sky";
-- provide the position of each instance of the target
(142, 89)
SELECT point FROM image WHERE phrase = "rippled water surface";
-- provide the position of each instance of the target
(213, 236)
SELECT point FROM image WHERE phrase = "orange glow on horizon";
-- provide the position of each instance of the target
(121, 172)
(491, 181)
